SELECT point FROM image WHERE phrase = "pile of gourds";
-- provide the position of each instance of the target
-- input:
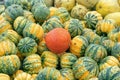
(60, 40)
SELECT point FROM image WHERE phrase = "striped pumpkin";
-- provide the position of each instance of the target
(4, 76)
(49, 3)
(2, 8)
(85, 68)
(32, 64)
(74, 27)
(27, 46)
(108, 61)
(78, 45)
(26, 4)
(9, 64)
(49, 59)
(96, 52)
(67, 60)
(34, 31)
(52, 11)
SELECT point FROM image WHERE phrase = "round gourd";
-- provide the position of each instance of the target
(32, 64)
(85, 68)
(96, 52)
(2, 9)
(78, 45)
(49, 3)
(34, 31)
(67, 60)
(12, 12)
(68, 4)
(52, 11)
(58, 40)
(108, 61)
(9, 64)
(49, 59)
(26, 4)
(7, 47)
(110, 73)
(27, 46)
(34, 2)
(74, 27)
(78, 12)
(92, 18)
(4, 76)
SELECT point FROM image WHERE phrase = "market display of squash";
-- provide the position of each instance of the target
(59, 39)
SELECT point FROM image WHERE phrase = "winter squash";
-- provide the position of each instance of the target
(9, 64)
(49, 59)
(2, 9)
(26, 4)
(32, 64)
(74, 26)
(4, 76)
(85, 68)
(52, 11)
(78, 45)
(49, 3)
(55, 43)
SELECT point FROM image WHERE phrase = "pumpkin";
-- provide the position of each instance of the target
(67, 74)
(116, 51)
(32, 64)
(26, 4)
(52, 11)
(94, 78)
(4, 76)
(49, 73)
(114, 35)
(92, 18)
(27, 46)
(68, 4)
(2, 18)
(96, 52)
(85, 68)
(34, 76)
(63, 14)
(49, 59)
(78, 45)
(12, 12)
(2, 9)
(49, 3)
(74, 26)
(78, 12)
(7, 47)
(110, 73)
(51, 23)
(34, 31)
(16, 73)
(67, 60)
(34, 2)
(9, 64)
(55, 43)
(108, 62)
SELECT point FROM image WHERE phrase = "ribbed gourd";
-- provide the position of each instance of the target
(49, 59)
(78, 45)
(85, 68)
(67, 60)
(4, 76)
(92, 18)
(34, 31)
(49, 3)
(2, 8)
(108, 61)
(74, 27)
(110, 73)
(20, 23)
(116, 51)
(49, 73)
(52, 11)
(12, 12)
(67, 74)
(96, 52)
(51, 23)
(9, 64)
(26, 4)
(78, 12)
(27, 46)
(32, 64)
(7, 47)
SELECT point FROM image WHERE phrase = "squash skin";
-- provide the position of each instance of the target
(4, 76)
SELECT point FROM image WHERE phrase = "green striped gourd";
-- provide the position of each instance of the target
(96, 52)
(7, 47)
(32, 64)
(92, 18)
(49, 73)
(4, 76)
(34, 31)
(108, 61)
(34, 2)
(49, 3)
(49, 59)
(52, 11)
(110, 73)
(26, 4)
(67, 60)
(74, 27)
(85, 68)
(9, 64)
(27, 46)
(12, 12)
(2, 8)
(67, 74)
(78, 45)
